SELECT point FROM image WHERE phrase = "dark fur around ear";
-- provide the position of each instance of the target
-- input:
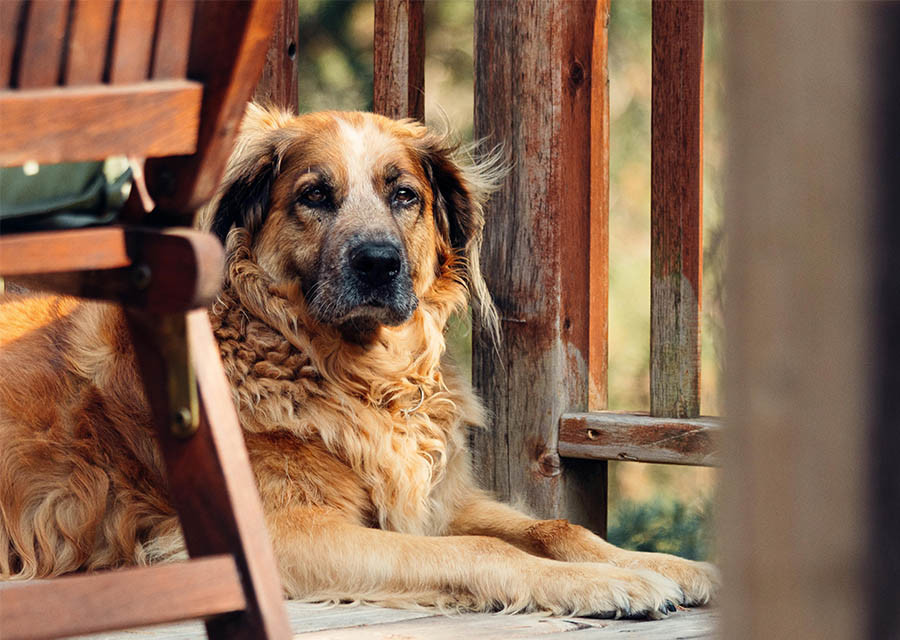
(461, 187)
(454, 208)
(244, 200)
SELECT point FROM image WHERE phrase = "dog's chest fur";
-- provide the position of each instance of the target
(397, 453)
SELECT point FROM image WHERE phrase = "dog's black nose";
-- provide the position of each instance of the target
(375, 264)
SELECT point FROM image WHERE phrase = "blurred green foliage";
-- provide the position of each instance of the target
(336, 73)
(669, 526)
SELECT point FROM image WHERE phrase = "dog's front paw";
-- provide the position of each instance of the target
(699, 581)
(589, 589)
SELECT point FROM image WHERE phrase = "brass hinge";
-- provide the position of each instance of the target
(184, 404)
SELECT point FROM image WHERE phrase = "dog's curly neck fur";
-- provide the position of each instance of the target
(290, 384)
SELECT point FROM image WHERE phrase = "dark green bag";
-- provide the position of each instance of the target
(62, 196)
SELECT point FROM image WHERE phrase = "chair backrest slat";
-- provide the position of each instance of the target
(181, 185)
(152, 119)
(173, 39)
(133, 43)
(89, 31)
(42, 47)
(10, 10)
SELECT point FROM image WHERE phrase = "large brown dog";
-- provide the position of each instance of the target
(350, 239)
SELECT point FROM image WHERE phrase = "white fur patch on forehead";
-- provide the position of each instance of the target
(363, 145)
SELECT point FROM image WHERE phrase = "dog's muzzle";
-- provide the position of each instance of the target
(373, 285)
(376, 264)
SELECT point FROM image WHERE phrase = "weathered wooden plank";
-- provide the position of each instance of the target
(110, 600)
(364, 621)
(884, 489)
(303, 617)
(598, 319)
(676, 177)
(800, 82)
(611, 435)
(133, 42)
(173, 39)
(86, 52)
(42, 47)
(10, 14)
(279, 83)
(152, 119)
(533, 75)
(399, 81)
(485, 626)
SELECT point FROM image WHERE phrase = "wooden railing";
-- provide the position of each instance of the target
(810, 499)
(541, 90)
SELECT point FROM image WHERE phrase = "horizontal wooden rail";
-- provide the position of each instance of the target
(157, 270)
(611, 435)
(130, 597)
(56, 124)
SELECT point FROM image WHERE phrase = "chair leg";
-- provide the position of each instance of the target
(210, 480)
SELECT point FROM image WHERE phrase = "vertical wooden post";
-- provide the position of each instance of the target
(400, 58)
(598, 389)
(800, 313)
(884, 443)
(676, 209)
(533, 93)
(278, 84)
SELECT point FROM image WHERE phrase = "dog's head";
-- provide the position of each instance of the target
(363, 213)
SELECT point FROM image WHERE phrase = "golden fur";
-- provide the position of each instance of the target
(367, 492)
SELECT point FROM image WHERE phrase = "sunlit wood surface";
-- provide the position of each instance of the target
(309, 621)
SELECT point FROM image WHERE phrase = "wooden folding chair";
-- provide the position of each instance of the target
(166, 80)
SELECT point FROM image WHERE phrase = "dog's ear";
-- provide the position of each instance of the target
(460, 188)
(244, 198)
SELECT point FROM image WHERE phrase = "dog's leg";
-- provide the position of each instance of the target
(561, 540)
(323, 556)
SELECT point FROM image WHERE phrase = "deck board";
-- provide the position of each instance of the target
(363, 622)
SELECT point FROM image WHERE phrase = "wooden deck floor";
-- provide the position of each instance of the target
(312, 622)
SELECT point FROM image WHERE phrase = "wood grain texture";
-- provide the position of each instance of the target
(211, 483)
(612, 435)
(152, 119)
(598, 318)
(29, 253)
(533, 75)
(42, 47)
(161, 271)
(676, 238)
(86, 51)
(800, 79)
(228, 49)
(399, 80)
(485, 626)
(365, 621)
(173, 39)
(133, 42)
(11, 11)
(118, 599)
(279, 83)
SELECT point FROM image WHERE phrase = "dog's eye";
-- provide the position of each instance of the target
(404, 196)
(316, 196)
